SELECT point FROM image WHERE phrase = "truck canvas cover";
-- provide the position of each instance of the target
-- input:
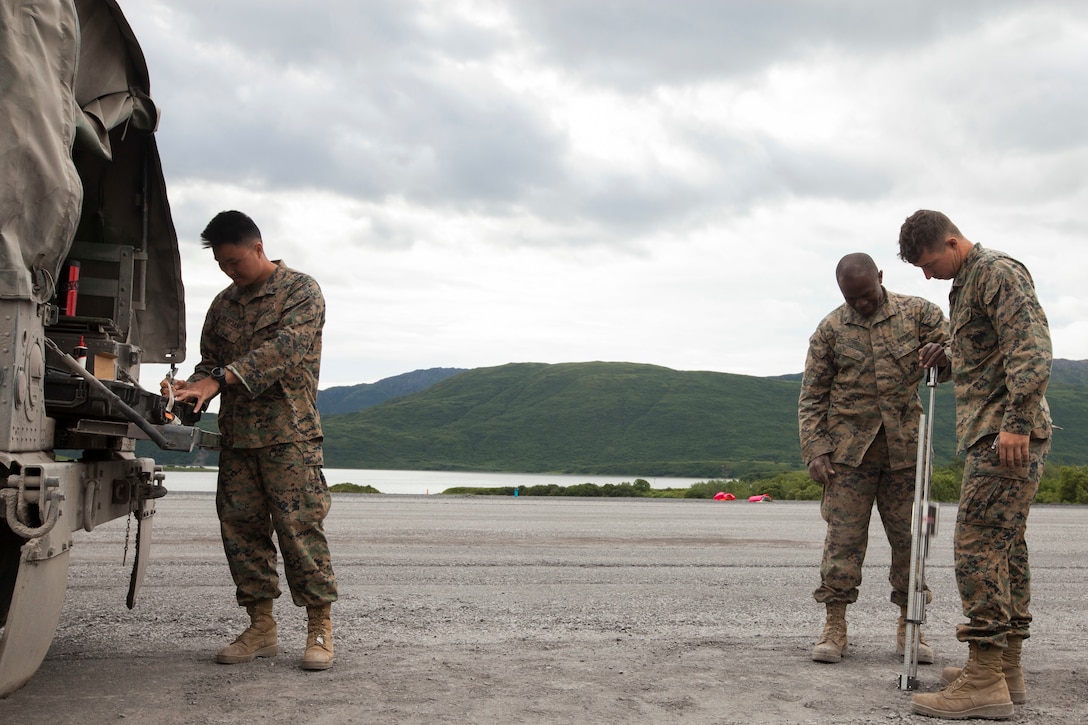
(79, 162)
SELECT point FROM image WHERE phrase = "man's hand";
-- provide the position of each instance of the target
(820, 470)
(1013, 449)
(199, 392)
(932, 355)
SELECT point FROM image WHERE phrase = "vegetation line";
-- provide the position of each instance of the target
(1067, 484)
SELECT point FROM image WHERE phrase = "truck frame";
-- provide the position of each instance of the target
(90, 288)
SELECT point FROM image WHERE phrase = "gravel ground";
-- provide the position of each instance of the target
(533, 610)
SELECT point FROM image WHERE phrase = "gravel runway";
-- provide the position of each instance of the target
(535, 610)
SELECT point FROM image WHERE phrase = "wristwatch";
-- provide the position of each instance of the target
(219, 375)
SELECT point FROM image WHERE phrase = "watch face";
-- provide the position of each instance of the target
(219, 373)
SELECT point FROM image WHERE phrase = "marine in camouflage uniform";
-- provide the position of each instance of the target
(270, 465)
(261, 349)
(1001, 360)
(858, 416)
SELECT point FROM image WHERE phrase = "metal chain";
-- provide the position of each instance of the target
(128, 529)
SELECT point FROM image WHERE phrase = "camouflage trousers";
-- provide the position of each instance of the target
(991, 554)
(278, 489)
(847, 505)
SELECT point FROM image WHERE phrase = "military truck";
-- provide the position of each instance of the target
(90, 288)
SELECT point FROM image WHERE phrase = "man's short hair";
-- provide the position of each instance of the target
(856, 264)
(230, 227)
(923, 231)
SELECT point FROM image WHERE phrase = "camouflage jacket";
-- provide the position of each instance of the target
(1001, 353)
(270, 337)
(863, 373)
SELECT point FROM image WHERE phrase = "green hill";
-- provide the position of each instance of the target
(582, 417)
(1072, 372)
(1069, 409)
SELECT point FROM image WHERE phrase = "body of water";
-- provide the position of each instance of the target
(427, 482)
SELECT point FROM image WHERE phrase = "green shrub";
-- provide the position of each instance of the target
(944, 484)
(352, 488)
(1073, 484)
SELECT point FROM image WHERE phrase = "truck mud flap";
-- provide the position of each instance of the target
(143, 553)
(36, 604)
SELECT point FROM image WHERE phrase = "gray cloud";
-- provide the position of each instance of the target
(379, 99)
(636, 44)
(377, 119)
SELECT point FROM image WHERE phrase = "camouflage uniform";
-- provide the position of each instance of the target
(859, 405)
(1001, 360)
(270, 467)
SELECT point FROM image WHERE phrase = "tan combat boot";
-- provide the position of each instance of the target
(258, 639)
(318, 654)
(833, 641)
(1010, 667)
(925, 652)
(979, 692)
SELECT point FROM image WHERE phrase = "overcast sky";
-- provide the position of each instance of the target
(656, 181)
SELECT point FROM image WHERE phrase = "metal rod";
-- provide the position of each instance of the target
(922, 525)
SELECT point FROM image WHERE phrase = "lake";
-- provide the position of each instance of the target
(428, 482)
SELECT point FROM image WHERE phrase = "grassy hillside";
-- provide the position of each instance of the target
(1069, 409)
(581, 417)
(1073, 372)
